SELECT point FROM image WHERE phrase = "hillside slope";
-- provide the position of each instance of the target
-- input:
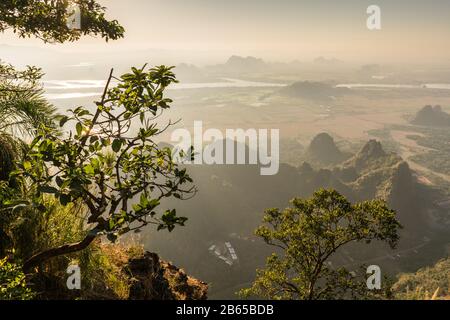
(425, 283)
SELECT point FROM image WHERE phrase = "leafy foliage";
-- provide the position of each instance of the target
(47, 19)
(12, 282)
(28, 230)
(308, 234)
(8, 155)
(22, 108)
(107, 165)
(22, 112)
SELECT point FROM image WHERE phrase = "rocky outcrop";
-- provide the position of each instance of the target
(372, 149)
(153, 279)
(370, 152)
(403, 182)
(403, 197)
(119, 272)
(323, 149)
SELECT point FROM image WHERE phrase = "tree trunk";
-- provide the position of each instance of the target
(58, 251)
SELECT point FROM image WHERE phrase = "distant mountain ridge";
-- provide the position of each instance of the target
(313, 90)
(327, 61)
(245, 63)
(240, 65)
(323, 149)
(371, 151)
(432, 116)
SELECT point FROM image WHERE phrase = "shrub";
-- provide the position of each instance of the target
(13, 285)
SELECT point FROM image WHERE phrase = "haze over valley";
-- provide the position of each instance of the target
(342, 126)
(365, 113)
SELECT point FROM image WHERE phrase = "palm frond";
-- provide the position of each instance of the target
(23, 109)
(22, 113)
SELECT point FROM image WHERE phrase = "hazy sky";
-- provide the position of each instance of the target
(197, 30)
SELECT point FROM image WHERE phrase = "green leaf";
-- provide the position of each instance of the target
(105, 142)
(83, 113)
(153, 203)
(95, 163)
(47, 189)
(116, 145)
(63, 121)
(79, 128)
(75, 185)
(143, 200)
(111, 224)
(78, 110)
(64, 199)
(27, 165)
(89, 169)
(59, 181)
(35, 141)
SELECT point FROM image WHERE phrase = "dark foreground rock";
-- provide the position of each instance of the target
(153, 279)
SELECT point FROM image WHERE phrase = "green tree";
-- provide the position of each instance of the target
(48, 19)
(22, 107)
(23, 111)
(110, 162)
(308, 234)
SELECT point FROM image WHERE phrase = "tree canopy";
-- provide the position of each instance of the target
(308, 234)
(48, 20)
(110, 162)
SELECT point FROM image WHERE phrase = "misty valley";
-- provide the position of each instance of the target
(364, 142)
(236, 152)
